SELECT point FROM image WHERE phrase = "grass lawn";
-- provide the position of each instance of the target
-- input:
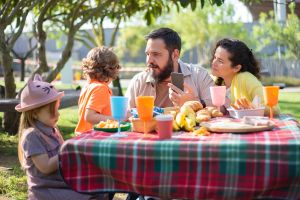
(13, 181)
(290, 103)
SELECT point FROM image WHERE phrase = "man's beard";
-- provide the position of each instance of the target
(164, 73)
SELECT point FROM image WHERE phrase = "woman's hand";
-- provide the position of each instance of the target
(179, 97)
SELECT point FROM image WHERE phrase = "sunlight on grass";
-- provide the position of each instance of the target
(290, 103)
(68, 121)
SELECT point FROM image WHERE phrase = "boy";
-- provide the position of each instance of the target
(100, 68)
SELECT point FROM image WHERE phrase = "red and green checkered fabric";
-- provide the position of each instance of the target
(218, 166)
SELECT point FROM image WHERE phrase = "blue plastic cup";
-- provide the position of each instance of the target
(119, 105)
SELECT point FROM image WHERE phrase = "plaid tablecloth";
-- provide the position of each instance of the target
(218, 166)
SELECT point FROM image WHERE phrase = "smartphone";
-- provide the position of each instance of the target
(177, 80)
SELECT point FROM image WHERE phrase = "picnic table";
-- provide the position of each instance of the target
(219, 166)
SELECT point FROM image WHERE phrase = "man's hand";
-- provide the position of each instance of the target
(178, 97)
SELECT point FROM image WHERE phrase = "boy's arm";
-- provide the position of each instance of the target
(94, 117)
(45, 164)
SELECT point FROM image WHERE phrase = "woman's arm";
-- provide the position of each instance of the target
(45, 164)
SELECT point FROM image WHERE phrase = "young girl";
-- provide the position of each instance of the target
(100, 67)
(40, 140)
(236, 67)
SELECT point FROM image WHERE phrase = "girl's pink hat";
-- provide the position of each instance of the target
(37, 93)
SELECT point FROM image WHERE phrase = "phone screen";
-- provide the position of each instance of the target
(177, 80)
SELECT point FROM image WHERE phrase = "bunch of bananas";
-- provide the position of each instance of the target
(185, 119)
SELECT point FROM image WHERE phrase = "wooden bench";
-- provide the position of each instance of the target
(68, 100)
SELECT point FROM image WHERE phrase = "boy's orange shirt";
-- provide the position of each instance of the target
(96, 96)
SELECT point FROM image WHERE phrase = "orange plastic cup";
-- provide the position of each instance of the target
(145, 105)
(271, 97)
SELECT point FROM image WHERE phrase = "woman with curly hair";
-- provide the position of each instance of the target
(235, 66)
(100, 68)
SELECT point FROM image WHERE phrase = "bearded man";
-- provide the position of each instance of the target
(162, 58)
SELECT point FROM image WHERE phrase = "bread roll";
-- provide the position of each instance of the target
(216, 113)
(195, 105)
(202, 118)
(203, 112)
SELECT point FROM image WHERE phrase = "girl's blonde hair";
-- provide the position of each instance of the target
(28, 120)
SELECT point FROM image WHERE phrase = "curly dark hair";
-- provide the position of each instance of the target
(101, 63)
(240, 54)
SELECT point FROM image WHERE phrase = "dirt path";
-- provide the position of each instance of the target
(6, 162)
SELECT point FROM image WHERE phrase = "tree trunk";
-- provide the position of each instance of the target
(11, 119)
(116, 83)
(22, 69)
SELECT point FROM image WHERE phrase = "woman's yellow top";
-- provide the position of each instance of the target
(245, 84)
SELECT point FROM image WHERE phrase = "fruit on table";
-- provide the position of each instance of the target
(201, 131)
(175, 125)
(108, 124)
(186, 118)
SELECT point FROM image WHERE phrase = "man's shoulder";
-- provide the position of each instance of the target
(195, 68)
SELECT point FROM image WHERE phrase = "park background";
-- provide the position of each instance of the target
(52, 37)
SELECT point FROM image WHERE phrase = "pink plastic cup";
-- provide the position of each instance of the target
(218, 94)
(164, 126)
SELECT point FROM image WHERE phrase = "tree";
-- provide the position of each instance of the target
(269, 31)
(199, 30)
(13, 14)
(202, 28)
(68, 17)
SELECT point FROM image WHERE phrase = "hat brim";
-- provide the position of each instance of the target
(19, 108)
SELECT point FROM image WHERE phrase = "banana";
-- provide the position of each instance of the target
(175, 126)
(189, 125)
(180, 119)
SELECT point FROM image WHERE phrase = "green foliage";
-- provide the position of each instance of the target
(269, 31)
(199, 29)
(203, 27)
(131, 40)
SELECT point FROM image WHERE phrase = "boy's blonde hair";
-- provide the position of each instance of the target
(101, 64)
(28, 120)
